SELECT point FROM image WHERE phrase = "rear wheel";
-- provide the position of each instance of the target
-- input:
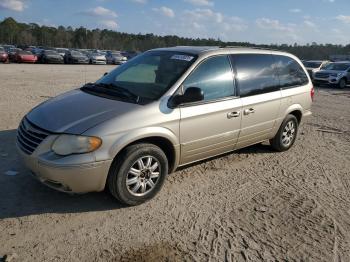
(286, 134)
(138, 174)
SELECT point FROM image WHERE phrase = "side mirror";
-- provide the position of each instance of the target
(192, 94)
(105, 74)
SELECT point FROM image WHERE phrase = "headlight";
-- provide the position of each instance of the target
(337, 75)
(72, 144)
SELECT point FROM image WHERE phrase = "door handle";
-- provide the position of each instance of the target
(233, 114)
(249, 111)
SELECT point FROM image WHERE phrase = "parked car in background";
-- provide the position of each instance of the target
(164, 109)
(24, 57)
(4, 57)
(334, 74)
(8, 47)
(37, 51)
(62, 51)
(130, 54)
(30, 49)
(314, 66)
(50, 57)
(75, 57)
(97, 58)
(115, 58)
(12, 53)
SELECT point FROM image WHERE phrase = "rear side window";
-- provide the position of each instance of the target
(255, 74)
(214, 76)
(290, 73)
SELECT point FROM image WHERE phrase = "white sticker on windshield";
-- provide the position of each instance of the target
(182, 57)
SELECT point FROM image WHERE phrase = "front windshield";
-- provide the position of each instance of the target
(312, 64)
(76, 53)
(149, 75)
(51, 52)
(25, 53)
(337, 67)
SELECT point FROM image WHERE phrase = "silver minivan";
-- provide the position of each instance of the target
(161, 110)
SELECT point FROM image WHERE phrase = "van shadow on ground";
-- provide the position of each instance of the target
(22, 195)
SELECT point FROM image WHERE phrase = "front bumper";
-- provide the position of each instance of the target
(99, 62)
(326, 81)
(79, 61)
(57, 173)
(55, 61)
(119, 62)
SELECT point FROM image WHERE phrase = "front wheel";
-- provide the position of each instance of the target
(286, 134)
(138, 174)
(342, 83)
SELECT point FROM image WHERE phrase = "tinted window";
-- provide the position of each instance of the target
(214, 76)
(290, 72)
(255, 74)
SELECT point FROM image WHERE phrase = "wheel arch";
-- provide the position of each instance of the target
(295, 110)
(164, 140)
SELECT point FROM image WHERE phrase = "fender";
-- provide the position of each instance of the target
(294, 107)
(146, 132)
(291, 108)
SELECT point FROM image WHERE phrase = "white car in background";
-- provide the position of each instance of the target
(314, 66)
(97, 58)
(115, 58)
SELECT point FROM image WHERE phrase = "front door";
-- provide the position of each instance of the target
(212, 126)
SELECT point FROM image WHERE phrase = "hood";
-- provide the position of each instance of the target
(54, 55)
(330, 71)
(75, 112)
(27, 56)
(79, 56)
(98, 56)
(312, 68)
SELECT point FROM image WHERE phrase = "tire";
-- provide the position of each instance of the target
(342, 83)
(126, 167)
(285, 137)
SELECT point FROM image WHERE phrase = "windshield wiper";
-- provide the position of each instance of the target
(112, 89)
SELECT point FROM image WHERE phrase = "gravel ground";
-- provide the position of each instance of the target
(250, 205)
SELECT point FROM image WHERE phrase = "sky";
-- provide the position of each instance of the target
(255, 21)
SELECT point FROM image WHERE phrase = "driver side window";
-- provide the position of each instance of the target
(214, 76)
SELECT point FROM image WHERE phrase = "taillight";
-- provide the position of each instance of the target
(312, 93)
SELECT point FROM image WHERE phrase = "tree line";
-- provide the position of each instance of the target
(13, 32)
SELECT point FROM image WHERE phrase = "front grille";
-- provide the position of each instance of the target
(29, 136)
(322, 75)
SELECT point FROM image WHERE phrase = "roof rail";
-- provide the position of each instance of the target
(252, 47)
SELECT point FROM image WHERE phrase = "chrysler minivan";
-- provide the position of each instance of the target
(161, 110)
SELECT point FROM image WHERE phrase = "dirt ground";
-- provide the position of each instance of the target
(250, 205)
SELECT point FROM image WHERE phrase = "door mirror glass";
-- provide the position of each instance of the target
(191, 95)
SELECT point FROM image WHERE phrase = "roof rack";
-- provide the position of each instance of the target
(252, 47)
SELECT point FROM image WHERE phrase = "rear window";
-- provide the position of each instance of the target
(290, 72)
(255, 74)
